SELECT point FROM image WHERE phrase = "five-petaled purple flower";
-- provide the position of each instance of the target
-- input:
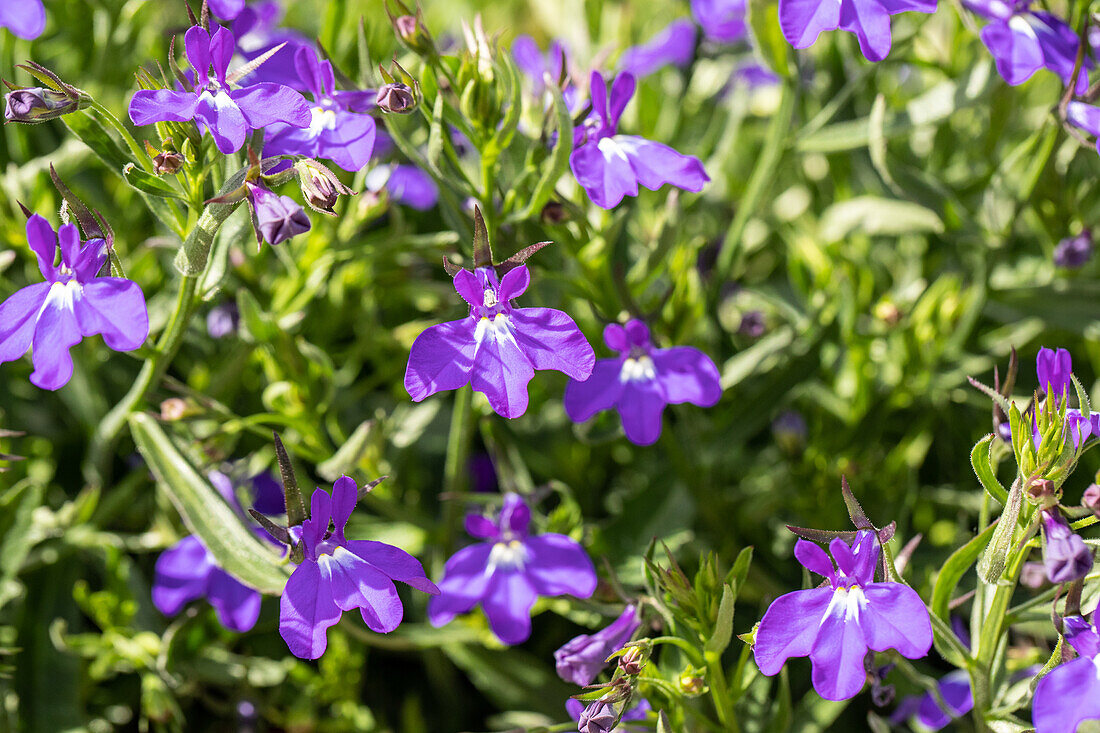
(1023, 41)
(641, 381)
(72, 304)
(24, 18)
(609, 166)
(673, 46)
(1070, 693)
(187, 571)
(229, 114)
(835, 625)
(508, 571)
(339, 575)
(581, 658)
(721, 20)
(340, 130)
(498, 347)
(803, 20)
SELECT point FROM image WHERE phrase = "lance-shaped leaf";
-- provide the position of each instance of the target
(983, 468)
(282, 534)
(855, 511)
(519, 258)
(235, 548)
(295, 508)
(483, 250)
(89, 224)
(723, 626)
(367, 488)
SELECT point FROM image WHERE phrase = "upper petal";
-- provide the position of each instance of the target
(551, 340)
(803, 20)
(306, 611)
(114, 307)
(25, 18)
(688, 375)
(599, 392)
(345, 495)
(507, 604)
(263, 104)
(43, 242)
(558, 565)
(18, 315)
(441, 359)
(895, 618)
(221, 51)
(814, 558)
(196, 42)
(394, 562)
(789, 628)
(514, 283)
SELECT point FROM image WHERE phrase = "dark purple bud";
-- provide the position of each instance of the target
(1091, 499)
(167, 162)
(223, 320)
(275, 218)
(752, 324)
(38, 104)
(1074, 252)
(1065, 555)
(632, 661)
(395, 97)
(597, 717)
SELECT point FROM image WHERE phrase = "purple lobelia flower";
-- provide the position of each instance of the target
(721, 20)
(229, 114)
(338, 131)
(508, 570)
(954, 690)
(187, 571)
(641, 381)
(675, 45)
(535, 64)
(594, 718)
(581, 658)
(1066, 557)
(72, 304)
(1070, 693)
(835, 625)
(339, 575)
(1073, 252)
(1086, 117)
(24, 18)
(1023, 41)
(803, 20)
(1054, 368)
(609, 166)
(498, 347)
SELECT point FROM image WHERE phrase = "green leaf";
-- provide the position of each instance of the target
(763, 16)
(435, 136)
(979, 459)
(876, 216)
(345, 459)
(148, 183)
(740, 570)
(17, 506)
(237, 550)
(663, 726)
(723, 627)
(86, 127)
(953, 570)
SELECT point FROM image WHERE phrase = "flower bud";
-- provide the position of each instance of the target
(223, 320)
(38, 104)
(167, 162)
(1073, 252)
(1033, 575)
(1042, 491)
(690, 683)
(174, 408)
(1065, 554)
(1091, 499)
(632, 661)
(275, 218)
(320, 186)
(406, 28)
(395, 97)
(597, 717)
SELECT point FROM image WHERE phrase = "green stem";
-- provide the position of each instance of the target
(762, 175)
(697, 659)
(719, 692)
(454, 470)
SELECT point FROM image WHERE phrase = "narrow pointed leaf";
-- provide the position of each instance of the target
(483, 250)
(979, 459)
(723, 627)
(295, 507)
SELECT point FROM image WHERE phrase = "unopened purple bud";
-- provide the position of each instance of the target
(223, 320)
(752, 324)
(1074, 252)
(395, 97)
(406, 27)
(275, 218)
(167, 162)
(597, 717)
(632, 660)
(37, 104)
(1065, 555)
(1091, 499)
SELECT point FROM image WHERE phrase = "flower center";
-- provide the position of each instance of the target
(495, 326)
(62, 294)
(637, 369)
(848, 601)
(508, 555)
(610, 148)
(323, 119)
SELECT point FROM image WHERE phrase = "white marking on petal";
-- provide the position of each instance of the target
(63, 295)
(637, 370)
(847, 602)
(1024, 24)
(508, 555)
(323, 119)
(499, 327)
(612, 148)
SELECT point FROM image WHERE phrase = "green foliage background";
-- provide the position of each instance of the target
(899, 240)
